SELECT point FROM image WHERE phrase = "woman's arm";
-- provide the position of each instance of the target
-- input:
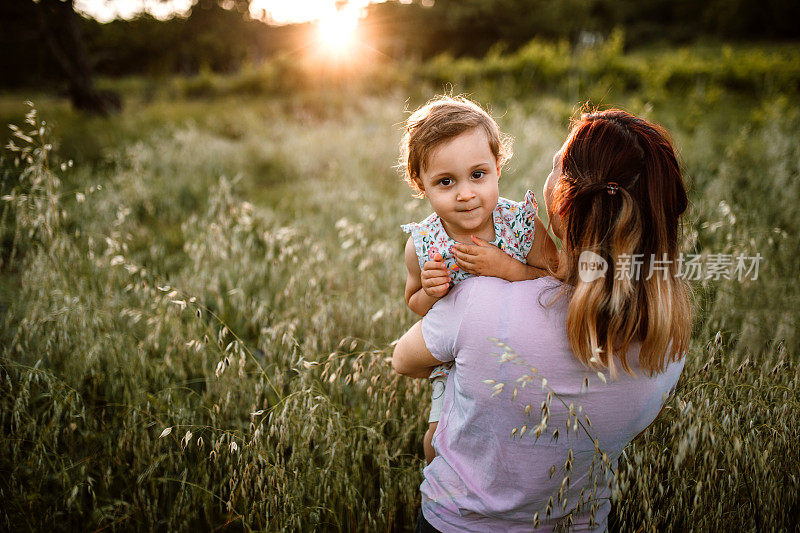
(411, 356)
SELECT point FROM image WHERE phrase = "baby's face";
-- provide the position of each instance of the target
(461, 182)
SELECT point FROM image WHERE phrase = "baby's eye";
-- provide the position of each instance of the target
(445, 182)
(478, 174)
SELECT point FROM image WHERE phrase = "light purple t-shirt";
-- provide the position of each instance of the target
(483, 479)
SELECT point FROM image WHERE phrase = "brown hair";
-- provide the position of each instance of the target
(441, 119)
(622, 194)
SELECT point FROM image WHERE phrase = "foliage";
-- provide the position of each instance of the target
(574, 72)
(195, 323)
(605, 67)
(220, 35)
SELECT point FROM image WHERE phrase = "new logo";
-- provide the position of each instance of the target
(591, 266)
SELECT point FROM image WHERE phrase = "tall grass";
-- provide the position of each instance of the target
(196, 330)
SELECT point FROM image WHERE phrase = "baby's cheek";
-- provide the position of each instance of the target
(495, 192)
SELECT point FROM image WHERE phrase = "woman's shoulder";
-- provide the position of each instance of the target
(488, 284)
(484, 289)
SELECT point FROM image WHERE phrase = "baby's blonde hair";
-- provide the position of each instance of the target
(440, 120)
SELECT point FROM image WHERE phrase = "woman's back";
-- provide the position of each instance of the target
(491, 473)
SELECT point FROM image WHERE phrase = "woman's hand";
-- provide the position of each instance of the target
(435, 277)
(483, 259)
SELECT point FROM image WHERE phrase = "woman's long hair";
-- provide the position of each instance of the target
(620, 196)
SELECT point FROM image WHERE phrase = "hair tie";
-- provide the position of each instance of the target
(612, 187)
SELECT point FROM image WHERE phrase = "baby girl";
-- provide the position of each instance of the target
(452, 153)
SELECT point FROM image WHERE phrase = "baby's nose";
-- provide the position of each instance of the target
(465, 193)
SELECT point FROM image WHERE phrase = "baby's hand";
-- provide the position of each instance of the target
(482, 258)
(435, 277)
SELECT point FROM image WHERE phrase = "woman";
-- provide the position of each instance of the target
(606, 345)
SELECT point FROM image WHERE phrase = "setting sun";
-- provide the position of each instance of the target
(337, 30)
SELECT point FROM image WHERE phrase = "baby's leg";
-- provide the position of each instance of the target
(437, 399)
(430, 453)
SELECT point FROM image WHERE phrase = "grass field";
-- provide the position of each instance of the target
(196, 313)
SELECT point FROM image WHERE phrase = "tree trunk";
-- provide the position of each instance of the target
(59, 26)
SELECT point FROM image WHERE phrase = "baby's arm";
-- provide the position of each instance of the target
(424, 287)
(485, 259)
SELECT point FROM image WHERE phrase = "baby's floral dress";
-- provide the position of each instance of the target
(513, 233)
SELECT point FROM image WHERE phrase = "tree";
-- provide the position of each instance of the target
(59, 27)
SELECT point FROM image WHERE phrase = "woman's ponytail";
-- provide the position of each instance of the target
(620, 198)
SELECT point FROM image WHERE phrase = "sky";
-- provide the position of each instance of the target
(280, 11)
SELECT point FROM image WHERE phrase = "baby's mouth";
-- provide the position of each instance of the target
(469, 210)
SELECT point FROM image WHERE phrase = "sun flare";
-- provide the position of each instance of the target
(337, 31)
